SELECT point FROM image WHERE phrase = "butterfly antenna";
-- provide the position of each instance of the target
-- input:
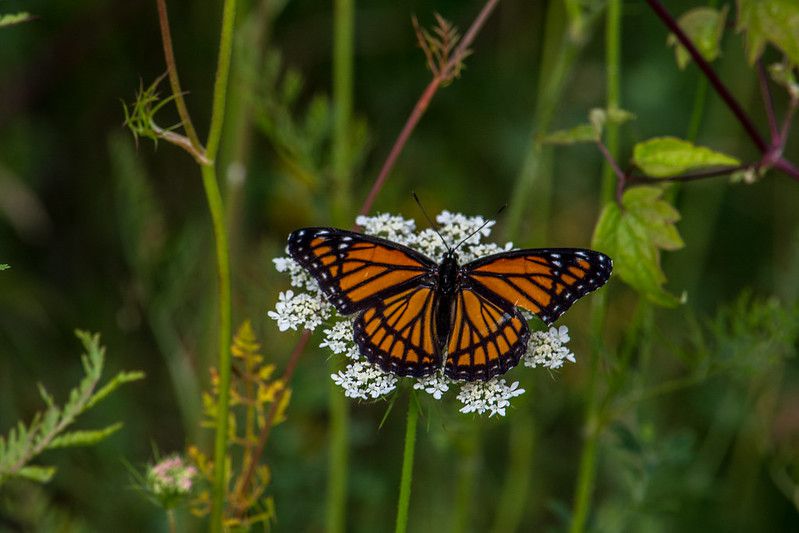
(429, 220)
(482, 226)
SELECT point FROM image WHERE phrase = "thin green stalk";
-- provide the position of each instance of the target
(341, 207)
(588, 456)
(558, 56)
(613, 66)
(468, 467)
(338, 460)
(211, 185)
(407, 467)
(587, 470)
(343, 46)
(223, 274)
(513, 502)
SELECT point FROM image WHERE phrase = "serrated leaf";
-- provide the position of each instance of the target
(661, 157)
(704, 26)
(578, 134)
(41, 474)
(11, 19)
(633, 236)
(4, 266)
(773, 21)
(84, 437)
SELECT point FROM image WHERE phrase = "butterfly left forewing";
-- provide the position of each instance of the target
(546, 282)
(398, 333)
(486, 339)
(355, 270)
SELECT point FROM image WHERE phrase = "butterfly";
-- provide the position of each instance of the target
(416, 315)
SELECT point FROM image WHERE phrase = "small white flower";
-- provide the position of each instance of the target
(303, 309)
(455, 227)
(391, 227)
(434, 384)
(364, 380)
(546, 348)
(300, 277)
(493, 395)
(339, 339)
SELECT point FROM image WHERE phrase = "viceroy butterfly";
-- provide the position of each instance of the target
(413, 310)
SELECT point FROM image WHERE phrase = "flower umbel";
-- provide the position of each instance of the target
(170, 480)
(306, 308)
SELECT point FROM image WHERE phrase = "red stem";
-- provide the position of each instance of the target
(424, 102)
(711, 75)
(768, 103)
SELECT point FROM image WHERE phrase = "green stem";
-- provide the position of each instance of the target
(343, 39)
(587, 469)
(559, 53)
(211, 185)
(468, 467)
(338, 461)
(223, 274)
(513, 502)
(407, 467)
(613, 62)
(588, 456)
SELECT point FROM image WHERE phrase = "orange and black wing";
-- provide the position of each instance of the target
(486, 339)
(357, 271)
(546, 282)
(398, 333)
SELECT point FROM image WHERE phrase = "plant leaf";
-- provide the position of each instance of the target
(581, 133)
(42, 474)
(704, 26)
(4, 266)
(14, 18)
(84, 437)
(773, 21)
(661, 157)
(633, 236)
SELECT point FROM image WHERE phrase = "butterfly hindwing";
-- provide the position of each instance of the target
(486, 339)
(355, 270)
(398, 333)
(546, 282)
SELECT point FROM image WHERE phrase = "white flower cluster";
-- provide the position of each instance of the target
(493, 396)
(307, 309)
(301, 309)
(547, 349)
(363, 380)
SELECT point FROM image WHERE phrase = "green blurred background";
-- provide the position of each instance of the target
(105, 235)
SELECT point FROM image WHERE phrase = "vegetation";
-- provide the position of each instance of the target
(661, 135)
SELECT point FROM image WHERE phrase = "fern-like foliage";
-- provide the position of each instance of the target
(4, 266)
(48, 429)
(253, 390)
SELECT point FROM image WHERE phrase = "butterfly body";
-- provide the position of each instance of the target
(415, 316)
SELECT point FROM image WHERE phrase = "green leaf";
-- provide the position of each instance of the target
(704, 26)
(41, 474)
(84, 437)
(773, 21)
(661, 157)
(4, 266)
(14, 18)
(591, 132)
(111, 386)
(578, 134)
(633, 236)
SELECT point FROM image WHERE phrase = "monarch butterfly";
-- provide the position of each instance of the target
(413, 311)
